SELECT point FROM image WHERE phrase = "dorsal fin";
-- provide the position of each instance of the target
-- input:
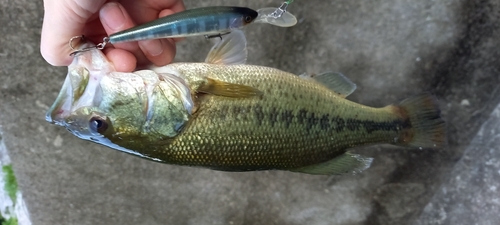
(333, 81)
(229, 50)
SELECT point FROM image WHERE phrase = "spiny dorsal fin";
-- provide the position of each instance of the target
(333, 81)
(221, 88)
(344, 163)
(231, 50)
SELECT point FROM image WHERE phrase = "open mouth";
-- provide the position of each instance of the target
(62, 105)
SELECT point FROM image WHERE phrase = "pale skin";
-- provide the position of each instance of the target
(96, 19)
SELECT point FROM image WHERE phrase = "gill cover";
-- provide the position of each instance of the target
(115, 109)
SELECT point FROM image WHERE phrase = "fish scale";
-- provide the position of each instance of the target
(280, 129)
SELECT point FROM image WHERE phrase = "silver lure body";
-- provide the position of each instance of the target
(193, 22)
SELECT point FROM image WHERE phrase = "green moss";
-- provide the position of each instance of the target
(11, 221)
(10, 182)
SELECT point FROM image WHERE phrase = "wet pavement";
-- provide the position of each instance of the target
(391, 49)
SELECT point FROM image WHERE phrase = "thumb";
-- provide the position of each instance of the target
(63, 20)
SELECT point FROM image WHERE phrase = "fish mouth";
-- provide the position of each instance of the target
(80, 85)
(61, 106)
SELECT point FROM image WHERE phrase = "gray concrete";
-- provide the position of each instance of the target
(471, 194)
(391, 48)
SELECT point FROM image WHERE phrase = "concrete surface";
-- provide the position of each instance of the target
(392, 49)
(471, 194)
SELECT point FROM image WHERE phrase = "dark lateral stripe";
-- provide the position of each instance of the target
(287, 117)
(273, 116)
(371, 126)
(259, 114)
(326, 122)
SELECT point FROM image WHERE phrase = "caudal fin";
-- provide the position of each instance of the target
(428, 129)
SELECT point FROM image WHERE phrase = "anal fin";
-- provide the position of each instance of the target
(345, 163)
(221, 88)
(334, 81)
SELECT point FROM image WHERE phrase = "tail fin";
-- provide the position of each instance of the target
(428, 129)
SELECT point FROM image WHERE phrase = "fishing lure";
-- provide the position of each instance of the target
(208, 21)
(193, 22)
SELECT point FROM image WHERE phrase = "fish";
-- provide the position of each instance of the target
(226, 115)
(200, 21)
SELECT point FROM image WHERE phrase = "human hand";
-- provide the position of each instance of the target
(68, 18)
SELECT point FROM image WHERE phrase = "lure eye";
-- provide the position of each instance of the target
(98, 123)
(248, 19)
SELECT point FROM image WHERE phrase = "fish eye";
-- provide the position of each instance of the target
(98, 123)
(248, 19)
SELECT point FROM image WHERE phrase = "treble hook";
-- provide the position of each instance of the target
(280, 10)
(219, 35)
(99, 46)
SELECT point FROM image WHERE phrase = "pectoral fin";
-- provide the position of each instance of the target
(344, 163)
(221, 88)
(333, 81)
(230, 50)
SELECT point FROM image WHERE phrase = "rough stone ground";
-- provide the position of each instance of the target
(392, 49)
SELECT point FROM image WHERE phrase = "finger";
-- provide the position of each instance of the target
(124, 61)
(63, 20)
(115, 18)
(162, 51)
(145, 11)
(178, 6)
(94, 31)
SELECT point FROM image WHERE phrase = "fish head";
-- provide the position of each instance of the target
(124, 111)
(81, 86)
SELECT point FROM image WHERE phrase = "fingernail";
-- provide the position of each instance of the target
(152, 47)
(112, 15)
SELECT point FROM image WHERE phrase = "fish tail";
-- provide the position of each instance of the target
(426, 129)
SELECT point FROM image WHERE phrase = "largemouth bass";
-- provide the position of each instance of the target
(226, 115)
